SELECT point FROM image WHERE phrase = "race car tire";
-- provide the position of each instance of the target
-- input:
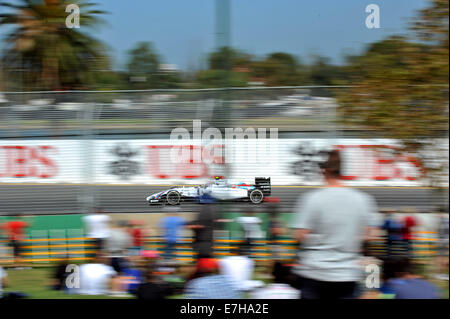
(173, 198)
(256, 196)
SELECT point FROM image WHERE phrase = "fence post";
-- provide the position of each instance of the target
(88, 196)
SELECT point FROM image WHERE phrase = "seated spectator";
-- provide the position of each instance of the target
(442, 249)
(131, 277)
(148, 258)
(3, 281)
(3, 284)
(399, 281)
(209, 284)
(152, 288)
(279, 289)
(96, 278)
(117, 245)
(240, 268)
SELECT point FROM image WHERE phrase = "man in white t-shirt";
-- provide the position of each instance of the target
(251, 226)
(97, 227)
(96, 277)
(331, 225)
(3, 281)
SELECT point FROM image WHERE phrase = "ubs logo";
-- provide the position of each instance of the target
(124, 167)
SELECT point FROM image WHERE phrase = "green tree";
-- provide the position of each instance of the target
(144, 69)
(228, 58)
(216, 78)
(226, 67)
(322, 73)
(280, 69)
(47, 54)
(143, 66)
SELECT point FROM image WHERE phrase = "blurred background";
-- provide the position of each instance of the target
(85, 112)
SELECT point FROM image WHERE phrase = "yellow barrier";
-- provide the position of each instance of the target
(289, 246)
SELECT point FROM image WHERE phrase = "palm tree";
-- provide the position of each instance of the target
(50, 55)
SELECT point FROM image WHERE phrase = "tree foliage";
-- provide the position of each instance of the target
(280, 69)
(401, 84)
(144, 69)
(42, 53)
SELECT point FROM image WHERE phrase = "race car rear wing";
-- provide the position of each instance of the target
(263, 183)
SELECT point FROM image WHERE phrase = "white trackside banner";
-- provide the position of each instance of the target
(374, 162)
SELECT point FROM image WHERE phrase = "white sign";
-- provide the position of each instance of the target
(375, 162)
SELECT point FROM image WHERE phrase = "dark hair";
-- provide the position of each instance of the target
(332, 166)
(396, 267)
(280, 273)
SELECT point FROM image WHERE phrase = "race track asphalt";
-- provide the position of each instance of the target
(58, 199)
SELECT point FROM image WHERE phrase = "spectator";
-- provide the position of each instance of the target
(130, 279)
(403, 284)
(252, 229)
(275, 229)
(331, 224)
(203, 228)
(148, 257)
(409, 222)
(240, 268)
(209, 284)
(394, 232)
(97, 227)
(171, 225)
(96, 278)
(117, 244)
(279, 289)
(3, 281)
(152, 288)
(138, 235)
(60, 275)
(442, 253)
(15, 231)
(3, 284)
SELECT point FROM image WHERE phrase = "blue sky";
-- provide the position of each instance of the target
(183, 31)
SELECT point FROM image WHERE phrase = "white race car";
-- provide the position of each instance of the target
(219, 190)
